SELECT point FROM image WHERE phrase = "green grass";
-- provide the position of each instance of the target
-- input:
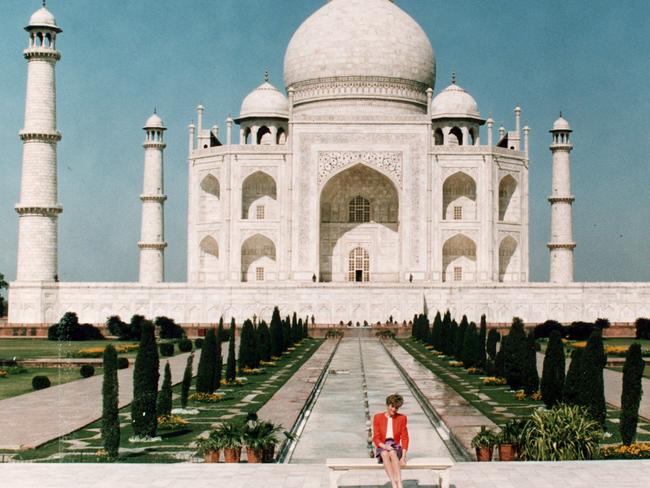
(19, 383)
(498, 403)
(81, 445)
(43, 348)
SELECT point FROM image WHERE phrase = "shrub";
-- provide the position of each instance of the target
(553, 371)
(571, 391)
(87, 370)
(631, 395)
(469, 350)
(579, 331)
(164, 405)
(122, 363)
(64, 329)
(116, 327)
(168, 328)
(564, 433)
(187, 380)
(198, 343)
(185, 345)
(231, 365)
(514, 354)
(166, 349)
(263, 342)
(642, 328)
(602, 324)
(592, 389)
(110, 428)
(205, 378)
(136, 325)
(530, 376)
(247, 348)
(40, 382)
(482, 338)
(275, 331)
(493, 338)
(544, 330)
(145, 385)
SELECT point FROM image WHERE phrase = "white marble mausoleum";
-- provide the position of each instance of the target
(355, 191)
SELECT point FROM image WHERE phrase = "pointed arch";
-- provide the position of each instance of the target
(264, 136)
(459, 197)
(208, 259)
(508, 199)
(258, 259)
(459, 259)
(438, 137)
(508, 259)
(281, 137)
(209, 199)
(259, 192)
(455, 137)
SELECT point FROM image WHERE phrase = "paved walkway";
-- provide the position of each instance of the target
(613, 387)
(360, 377)
(587, 474)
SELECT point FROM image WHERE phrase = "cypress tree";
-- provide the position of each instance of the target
(631, 395)
(593, 385)
(446, 334)
(110, 410)
(514, 354)
(286, 334)
(247, 347)
(426, 329)
(294, 327)
(481, 356)
(221, 333)
(263, 342)
(459, 341)
(493, 339)
(276, 333)
(187, 380)
(571, 391)
(145, 384)
(530, 375)
(207, 363)
(305, 328)
(500, 358)
(164, 406)
(297, 332)
(468, 350)
(436, 331)
(231, 365)
(217, 362)
(553, 371)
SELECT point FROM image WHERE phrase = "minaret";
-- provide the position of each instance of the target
(152, 236)
(561, 245)
(39, 209)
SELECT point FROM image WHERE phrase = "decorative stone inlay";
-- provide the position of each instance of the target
(385, 88)
(36, 52)
(40, 136)
(567, 199)
(153, 198)
(34, 210)
(553, 245)
(159, 246)
(331, 161)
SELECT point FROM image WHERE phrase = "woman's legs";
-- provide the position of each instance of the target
(397, 474)
(388, 467)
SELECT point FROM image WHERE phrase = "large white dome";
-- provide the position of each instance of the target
(454, 102)
(360, 40)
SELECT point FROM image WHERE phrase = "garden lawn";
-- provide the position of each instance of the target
(177, 446)
(498, 403)
(17, 383)
(43, 348)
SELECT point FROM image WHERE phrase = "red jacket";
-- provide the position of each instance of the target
(400, 431)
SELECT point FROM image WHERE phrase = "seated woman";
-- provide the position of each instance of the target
(391, 439)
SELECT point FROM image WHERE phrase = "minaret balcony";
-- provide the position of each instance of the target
(41, 52)
(563, 199)
(45, 211)
(41, 136)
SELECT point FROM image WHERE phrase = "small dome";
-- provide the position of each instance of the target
(454, 102)
(561, 124)
(359, 38)
(265, 101)
(43, 18)
(154, 122)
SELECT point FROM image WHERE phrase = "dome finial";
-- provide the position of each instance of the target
(560, 113)
(155, 110)
(43, 3)
(266, 76)
(453, 77)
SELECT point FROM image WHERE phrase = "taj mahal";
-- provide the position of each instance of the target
(355, 191)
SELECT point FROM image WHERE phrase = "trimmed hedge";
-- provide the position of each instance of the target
(87, 370)
(166, 349)
(544, 330)
(642, 327)
(198, 343)
(185, 345)
(40, 382)
(122, 363)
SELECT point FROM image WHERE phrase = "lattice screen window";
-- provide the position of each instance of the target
(259, 274)
(458, 213)
(359, 210)
(359, 262)
(260, 212)
(458, 273)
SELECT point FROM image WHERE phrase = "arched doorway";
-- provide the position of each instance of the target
(508, 260)
(259, 197)
(459, 259)
(359, 265)
(359, 208)
(258, 259)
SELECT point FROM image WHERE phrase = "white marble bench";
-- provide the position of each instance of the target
(439, 466)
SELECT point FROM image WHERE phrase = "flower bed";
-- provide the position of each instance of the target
(521, 395)
(268, 364)
(638, 450)
(206, 397)
(252, 371)
(456, 364)
(238, 381)
(171, 422)
(98, 352)
(494, 380)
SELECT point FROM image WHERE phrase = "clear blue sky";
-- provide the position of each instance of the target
(123, 57)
